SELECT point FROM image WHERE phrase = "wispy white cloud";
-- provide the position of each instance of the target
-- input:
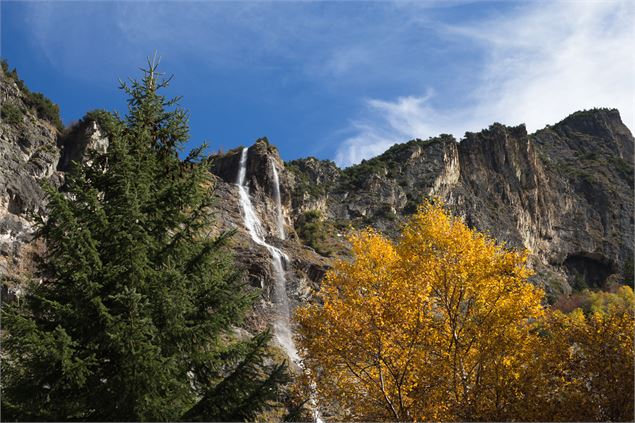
(542, 61)
(386, 122)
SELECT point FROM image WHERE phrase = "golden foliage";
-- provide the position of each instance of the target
(583, 366)
(443, 325)
(433, 327)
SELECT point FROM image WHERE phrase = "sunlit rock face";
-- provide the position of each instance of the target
(32, 152)
(28, 157)
(564, 192)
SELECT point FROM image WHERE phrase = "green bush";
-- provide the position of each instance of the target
(104, 119)
(312, 230)
(44, 107)
(355, 176)
(11, 114)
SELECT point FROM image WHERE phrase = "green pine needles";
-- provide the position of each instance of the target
(133, 319)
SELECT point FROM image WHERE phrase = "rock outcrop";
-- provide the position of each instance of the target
(32, 152)
(564, 192)
(28, 157)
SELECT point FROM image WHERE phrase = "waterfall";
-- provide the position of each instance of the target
(281, 324)
(276, 196)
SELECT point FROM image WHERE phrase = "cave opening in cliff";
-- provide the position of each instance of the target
(588, 270)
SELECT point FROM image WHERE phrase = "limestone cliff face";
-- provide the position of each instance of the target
(28, 156)
(32, 152)
(565, 192)
(305, 268)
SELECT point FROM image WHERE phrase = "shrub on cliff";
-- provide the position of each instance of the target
(133, 320)
(11, 114)
(43, 106)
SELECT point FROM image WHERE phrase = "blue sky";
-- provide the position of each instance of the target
(336, 80)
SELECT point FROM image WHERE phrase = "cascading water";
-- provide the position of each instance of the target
(276, 197)
(281, 325)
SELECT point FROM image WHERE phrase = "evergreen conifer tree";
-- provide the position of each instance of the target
(132, 320)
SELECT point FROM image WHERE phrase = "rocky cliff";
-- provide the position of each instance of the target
(564, 192)
(33, 151)
(305, 268)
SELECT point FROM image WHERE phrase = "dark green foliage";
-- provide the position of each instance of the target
(624, 169)
(133, 320)
(106, 120)
(246, 391)
(11, 114)
(354, 177)
(312, 229)
(44, 108)
(585, 114)
(303, 184)
(415, 199)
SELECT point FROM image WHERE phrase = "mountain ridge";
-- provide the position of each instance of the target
(565, 192)
(518, 187)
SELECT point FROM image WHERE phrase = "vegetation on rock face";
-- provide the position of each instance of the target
(443, 325)
(132, 321)
(311, 228)
(355, 176)
(303, 185)
(11, 114)
(44, 108)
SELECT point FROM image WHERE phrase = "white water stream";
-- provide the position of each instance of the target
(276, 197)
(281, 324)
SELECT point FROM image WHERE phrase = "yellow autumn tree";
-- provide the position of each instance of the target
(435, 326)
(583, 365)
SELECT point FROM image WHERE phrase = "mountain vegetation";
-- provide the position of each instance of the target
(133, 317)
(42, 105)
